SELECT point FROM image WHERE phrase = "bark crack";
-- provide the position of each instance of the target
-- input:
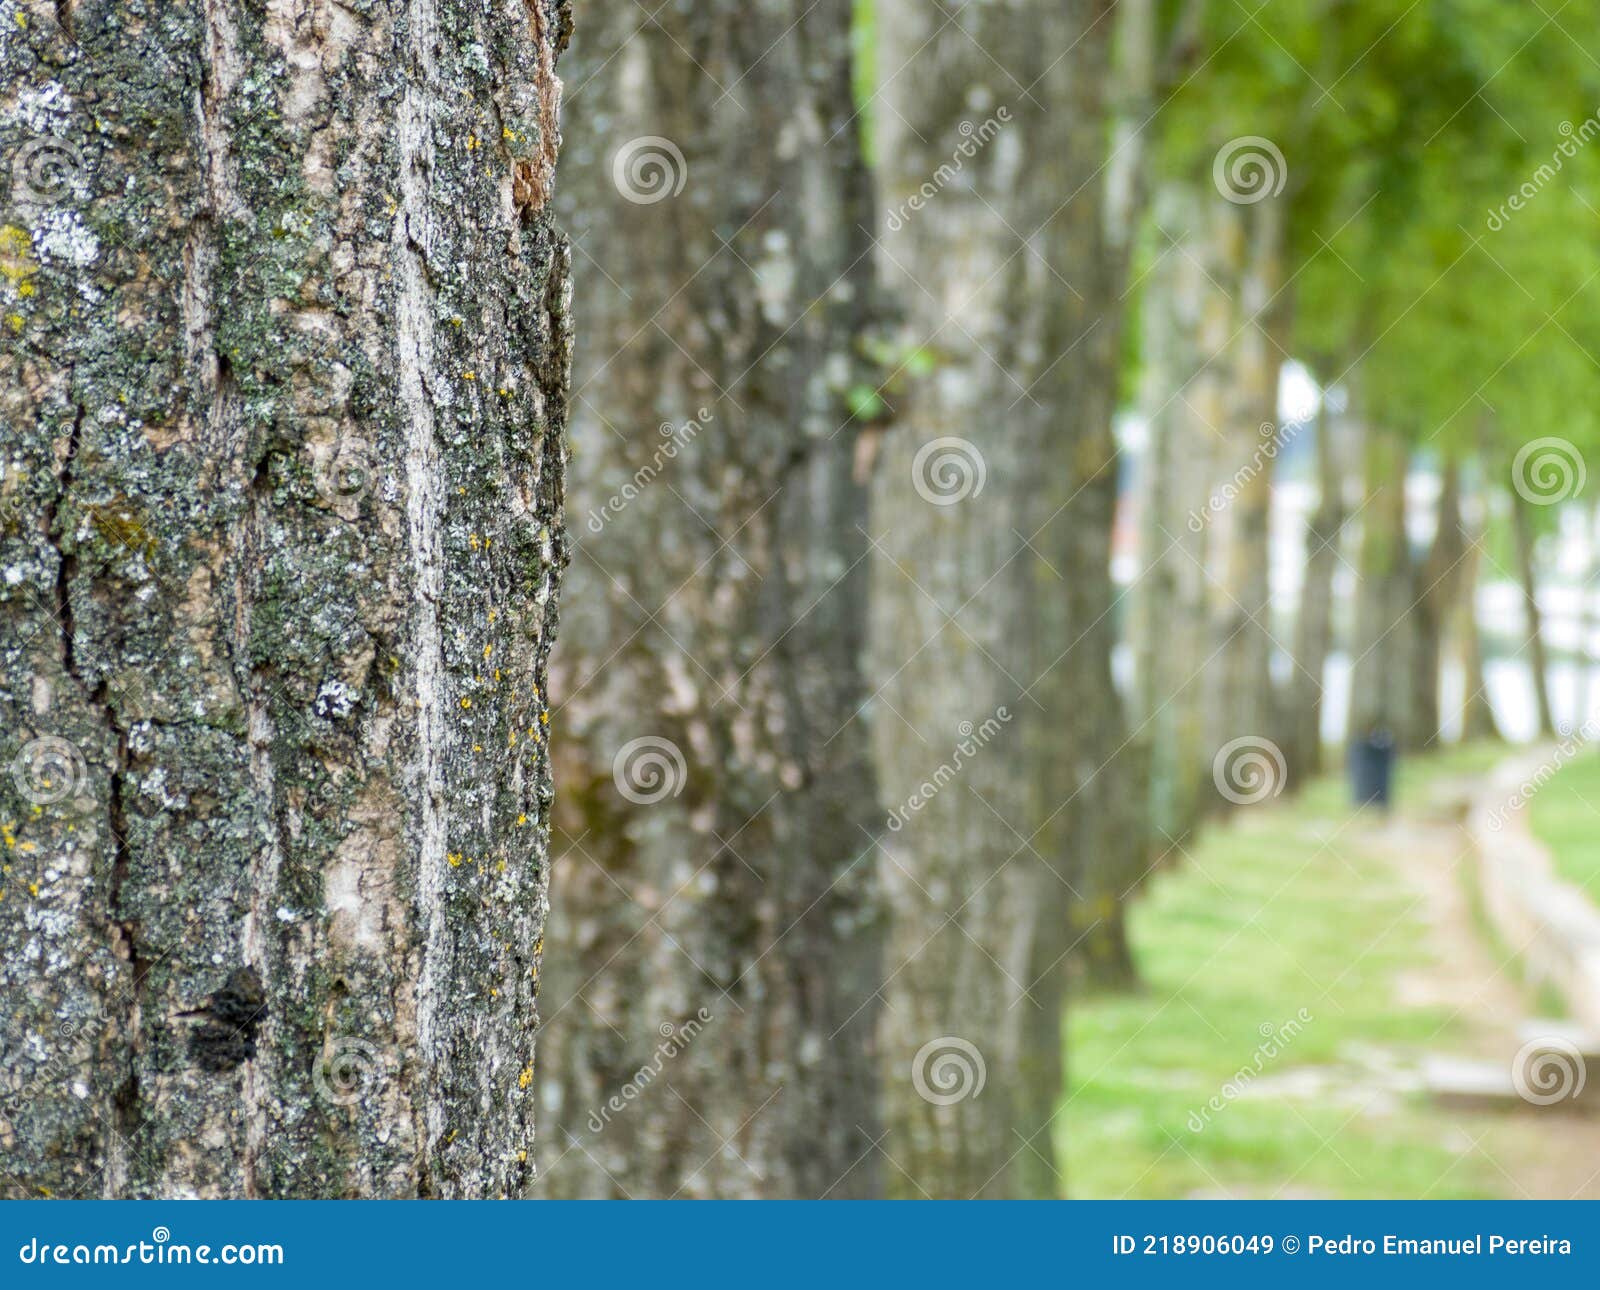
(121, 932)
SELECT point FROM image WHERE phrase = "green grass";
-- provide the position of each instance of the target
(1565, 816)
(1289, 907)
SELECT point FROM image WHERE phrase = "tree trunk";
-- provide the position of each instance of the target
(1439, 581)
(1522, 530)
(1243, 699)
(1314, 623)
(285, 383)
(1003, 747)
(1477, 713)
(715, 947)
(1381, 668)
(1187, 327)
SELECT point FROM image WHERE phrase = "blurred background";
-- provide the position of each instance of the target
(1077, 668)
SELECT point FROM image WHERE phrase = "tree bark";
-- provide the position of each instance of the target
(992, 596)
(1439, 582)
(1382, 672)
(284, 375)
(715, 949)
(1477, 713)
(1314, 623)
(1527, 575)
(1187, 328)
(1243, 700)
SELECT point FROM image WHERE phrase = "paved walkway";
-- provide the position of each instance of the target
(1541, 1153)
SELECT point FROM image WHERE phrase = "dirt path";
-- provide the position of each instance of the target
(1542, 1153)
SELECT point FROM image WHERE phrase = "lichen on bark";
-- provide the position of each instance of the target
(283, 375)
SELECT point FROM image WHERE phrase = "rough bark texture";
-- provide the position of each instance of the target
(283, 378)
(726, 864)
(992, 595)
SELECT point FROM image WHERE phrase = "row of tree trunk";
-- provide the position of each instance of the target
(850, 798)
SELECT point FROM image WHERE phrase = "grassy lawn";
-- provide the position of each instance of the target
(1565, 816)
(1291, 907)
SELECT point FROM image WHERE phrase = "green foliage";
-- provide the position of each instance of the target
(1408, 130)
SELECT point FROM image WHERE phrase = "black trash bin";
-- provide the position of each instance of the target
(1372, 768)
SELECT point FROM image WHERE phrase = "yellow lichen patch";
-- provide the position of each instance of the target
(17, 263)
(465, 701)
(521, 820)
(523, 1080)
(454, 857)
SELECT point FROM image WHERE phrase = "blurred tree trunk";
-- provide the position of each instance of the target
(1314, 623)
(1583, 687)
(992, 593)
(1382, 672)
(1243, 700)
(1187, 326)
(284, 395)
(709, 1027)
(1439, 582)
(1527, 576)
(1477, 713)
